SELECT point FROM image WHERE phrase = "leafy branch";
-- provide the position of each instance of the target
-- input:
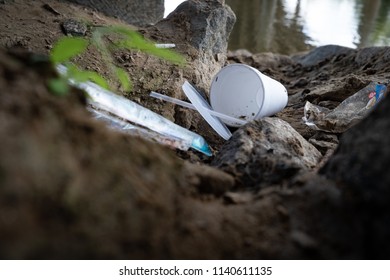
(68, 48)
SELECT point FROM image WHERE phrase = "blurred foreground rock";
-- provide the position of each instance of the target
(359, 167)
(66, 181)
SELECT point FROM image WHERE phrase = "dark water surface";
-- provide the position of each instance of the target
(289, 26)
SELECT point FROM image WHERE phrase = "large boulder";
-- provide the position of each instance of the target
(209, 24)
(136, 12)
(202, 29)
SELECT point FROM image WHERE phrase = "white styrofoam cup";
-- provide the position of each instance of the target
(243, 92)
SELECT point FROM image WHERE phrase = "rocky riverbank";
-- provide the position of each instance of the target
(72, 188)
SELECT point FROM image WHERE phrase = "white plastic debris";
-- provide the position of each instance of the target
(122, 107)
(165, 46)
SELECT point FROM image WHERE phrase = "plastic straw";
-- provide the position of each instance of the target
(190, 106)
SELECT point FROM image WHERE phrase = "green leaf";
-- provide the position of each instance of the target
(134, 40)
(123, 79)
(127, 32)
(67, 48)
(58, 86)
(96, 78)
(80, 76)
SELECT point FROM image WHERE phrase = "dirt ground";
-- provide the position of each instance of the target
(72, 188)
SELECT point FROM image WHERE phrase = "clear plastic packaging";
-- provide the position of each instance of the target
(124, 126)
(122, 107)
(348, 113)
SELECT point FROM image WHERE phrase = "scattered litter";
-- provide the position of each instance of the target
(121, 107)
(348, 113)
(203, 107)
(239, 93)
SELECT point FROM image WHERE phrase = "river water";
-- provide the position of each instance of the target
(290, 26)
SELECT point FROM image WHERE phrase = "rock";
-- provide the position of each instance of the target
(202, 28)
(373, 60)
(321, 55)
(360, 165)
(337, 89)
(209, 24)
(370, 55)
(302, 82)
(319, 221)
(261, 61)
(74, 27)
(362, 154)
(324, 141)
(266, 151)
(136, 12)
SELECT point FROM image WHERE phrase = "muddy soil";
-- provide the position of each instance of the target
(71, 188)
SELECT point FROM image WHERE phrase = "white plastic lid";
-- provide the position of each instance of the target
(202, 105)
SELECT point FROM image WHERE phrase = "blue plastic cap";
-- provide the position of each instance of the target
(201, 145)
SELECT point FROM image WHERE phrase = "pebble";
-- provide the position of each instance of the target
(74, 27)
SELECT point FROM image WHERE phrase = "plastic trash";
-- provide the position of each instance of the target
(106, 100)
(165, 46)
(243, 92)
(348, 113)
(239, 93)
(123, 126)
(190, 106)
(203, 107)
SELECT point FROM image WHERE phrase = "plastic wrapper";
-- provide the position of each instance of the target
(124, 126)
(348, 113)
